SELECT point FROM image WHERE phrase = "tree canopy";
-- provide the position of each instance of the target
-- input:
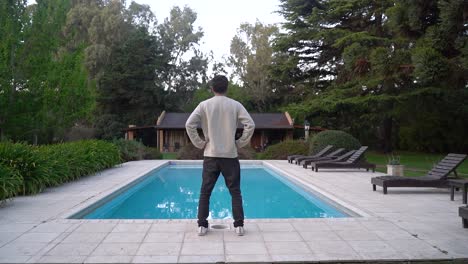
(390, 72)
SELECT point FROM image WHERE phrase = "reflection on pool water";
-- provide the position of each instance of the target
(172, 193)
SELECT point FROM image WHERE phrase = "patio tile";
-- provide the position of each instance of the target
(436, 254)
(124, 238)
(248, 258)
(76, 237)
(15, 228)
(319, 236)
(454, 247)
(210, 236)
(164, 237)
(380, 225)
(357, 235)
(14, 259)
(370, 246)
(21, 249)
(337, 225)
(311, 226)
(281, 236)
(387, 235)
(91, 227)
(6, 237)
(72, 249)
(155, 259)
(293, 257)
(60, 238)
(250, 248)
(172, 227)
(62, 259)
(51, 228)
(37, 237)
(287, 248)
(248, 227)
(159, 249)
(109, 259)
(413, 245)
(201, 259)
(116, 249)
(334, 256)
(330, 247)
(127, 228)
(41, 252)
(230, 236)
(202, 248)
(383, 255)
(275, 227)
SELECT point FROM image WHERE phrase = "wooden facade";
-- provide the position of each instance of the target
(270, 128)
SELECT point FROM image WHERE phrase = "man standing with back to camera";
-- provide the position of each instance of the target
(218, 117)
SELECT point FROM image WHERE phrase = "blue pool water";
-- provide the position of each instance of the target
(172, 193)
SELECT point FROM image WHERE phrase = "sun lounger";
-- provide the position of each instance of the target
(463, 213)
(343, 157)
(437, 177)
(318, 154)
(329, 156)
(356, 161)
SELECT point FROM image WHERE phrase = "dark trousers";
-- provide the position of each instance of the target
(230, 168)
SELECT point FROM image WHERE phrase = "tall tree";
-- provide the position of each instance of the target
(122, 58)
(364, 64)
(12, 18)
(251, 56)
(186, 64)
(49, 94)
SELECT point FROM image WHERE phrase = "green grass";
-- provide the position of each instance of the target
(416, 163)
(169, 155)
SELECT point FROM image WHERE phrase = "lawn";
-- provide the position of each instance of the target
(169, 155)
(416, 163)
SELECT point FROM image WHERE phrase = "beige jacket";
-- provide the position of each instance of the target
(218, 117)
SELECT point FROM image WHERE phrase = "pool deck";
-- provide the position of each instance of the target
(407, 224)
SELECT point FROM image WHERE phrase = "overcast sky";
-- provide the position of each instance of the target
(220, 19)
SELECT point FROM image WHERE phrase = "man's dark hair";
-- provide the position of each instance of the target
(219, 84)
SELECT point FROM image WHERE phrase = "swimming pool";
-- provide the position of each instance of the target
(172, 192)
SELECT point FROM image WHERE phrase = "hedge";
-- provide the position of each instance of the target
(283, 149)
(10, 182)
(135, 150)
(29, 163)
(51, 165)
(337, 138)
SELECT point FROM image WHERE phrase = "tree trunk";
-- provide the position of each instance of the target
(387, 135)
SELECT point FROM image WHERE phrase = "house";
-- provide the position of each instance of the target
(169, 134)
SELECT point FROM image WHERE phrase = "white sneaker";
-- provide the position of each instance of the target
(239, 230)
(202, 230)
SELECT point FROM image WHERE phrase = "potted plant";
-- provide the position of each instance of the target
(394, 167)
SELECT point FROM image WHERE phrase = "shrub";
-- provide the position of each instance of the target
(70, 161)
(135, 150)
(51, 165)
(10, 182)
(190, 152)
(28, 162)
(283, 149)
(246, 153)
(151, 153)
(337, 138)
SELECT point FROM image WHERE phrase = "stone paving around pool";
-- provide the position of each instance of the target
(406, 224)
